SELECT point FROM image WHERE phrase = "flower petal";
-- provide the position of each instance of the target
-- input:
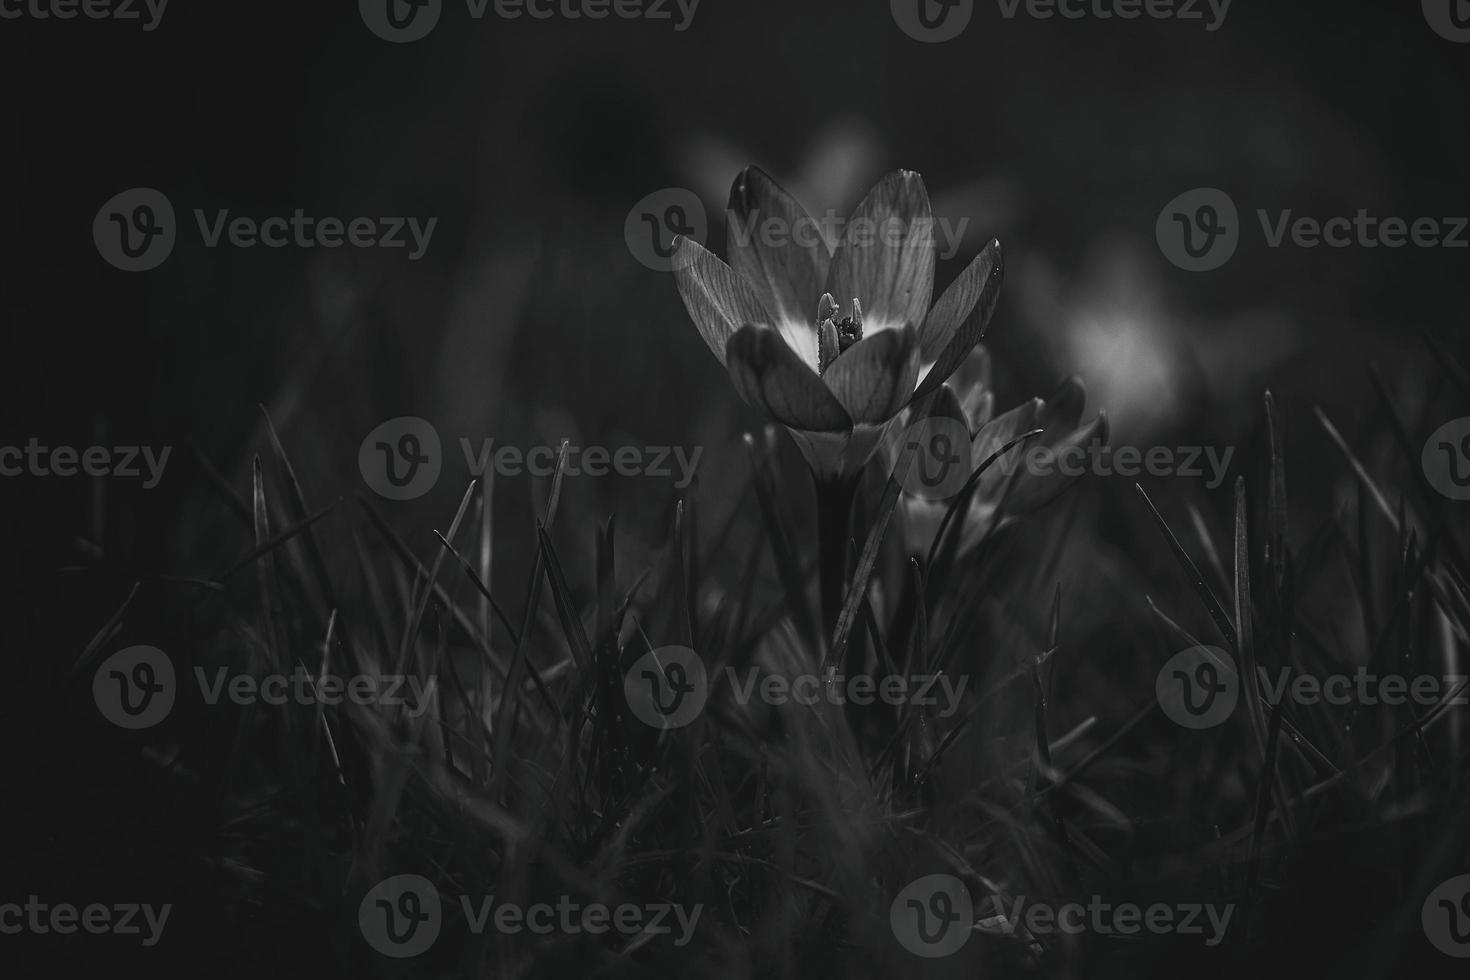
(959, 319)
(875, 377)
(975, 371)
(1006, 427)
(978, 406)
(971, 385)
(770, 376)
(780, 249)
(718, 300)
(1063, 409)
(948, 405)
(838, 455)
(998, 432)
(886, 256)
(943, 403)
(1059, 417)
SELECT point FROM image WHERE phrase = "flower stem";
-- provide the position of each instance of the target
(834, 523)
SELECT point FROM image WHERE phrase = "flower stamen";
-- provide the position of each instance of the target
(850, 330)
(834, 337)
(829, 344)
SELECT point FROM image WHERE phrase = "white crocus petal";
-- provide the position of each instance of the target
(776, 246)
(886, 256)
(718, 299)
(960, 318)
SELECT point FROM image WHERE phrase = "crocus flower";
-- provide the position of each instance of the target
(967, 398)
(834, 342)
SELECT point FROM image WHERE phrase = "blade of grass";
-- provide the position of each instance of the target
(858, 588)
(415, 621)
(1364, 479)
(1192, 572)
(275, 541)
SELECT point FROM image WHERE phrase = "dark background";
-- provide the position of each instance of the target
(528, 320)
(530, 140)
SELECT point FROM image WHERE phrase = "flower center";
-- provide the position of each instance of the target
(835, 336)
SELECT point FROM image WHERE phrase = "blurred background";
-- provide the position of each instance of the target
(529, 319)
